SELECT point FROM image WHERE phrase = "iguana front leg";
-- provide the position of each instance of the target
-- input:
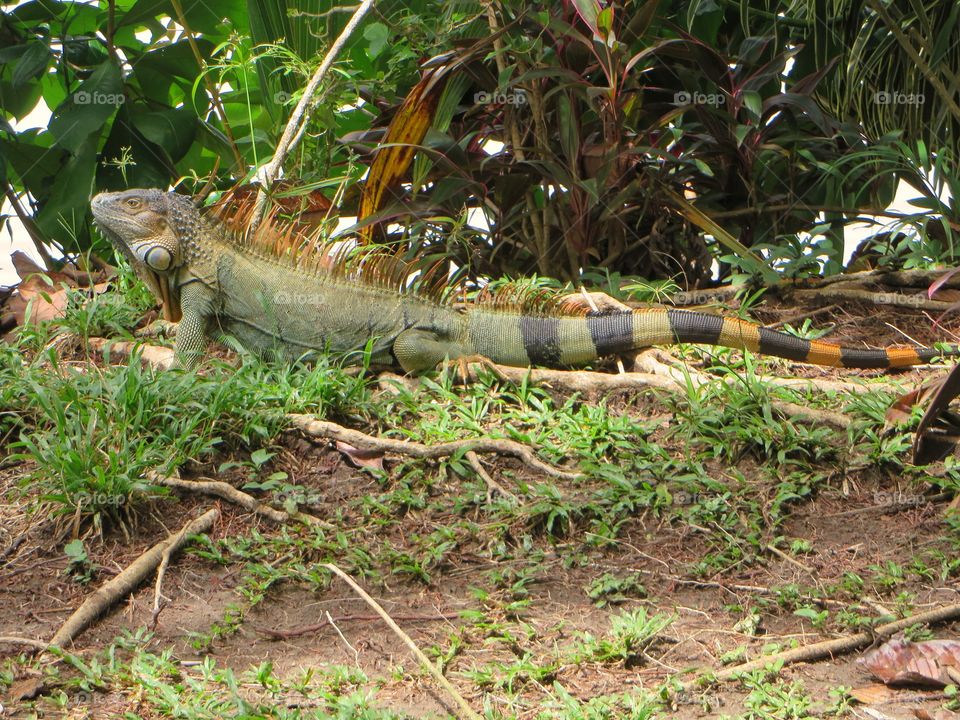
(418, 351)
(196, 303)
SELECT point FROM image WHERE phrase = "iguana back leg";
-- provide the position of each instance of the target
(418, 351)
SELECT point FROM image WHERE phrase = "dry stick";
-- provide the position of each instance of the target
(666, 377)
(158, 585)
(492, 484)
(29, 642)
(309, 425)
(837, 646)
(159, 358)
(800, 316)
(783, 556)
(650, 362)
(293, 131)
(467, 711)
(111, 591)
(237, 497)
(920, 279)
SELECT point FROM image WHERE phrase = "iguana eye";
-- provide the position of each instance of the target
(133, 203)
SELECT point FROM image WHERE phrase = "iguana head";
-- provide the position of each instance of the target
(153, 230)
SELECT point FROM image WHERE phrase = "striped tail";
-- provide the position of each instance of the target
(564, 341)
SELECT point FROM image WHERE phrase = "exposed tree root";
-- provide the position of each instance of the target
(159, 358)
(229, 493)
(846, 292)
(312, 427)
(920, 279)
(110, 592)
(492, 485)
(28, 642)
(465, 709)
(829, 648)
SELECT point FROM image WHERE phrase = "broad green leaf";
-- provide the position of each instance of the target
(173, 130)
(753, 103)
(378, 35)
(63, 216)
(31, 64)
(569, 135)
(18, 101)
(32, 160)
(87, 109)
(588, 10)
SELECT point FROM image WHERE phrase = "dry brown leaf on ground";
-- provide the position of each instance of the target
(873, 694)
(372, 459)
(902, 662)
(44, 292)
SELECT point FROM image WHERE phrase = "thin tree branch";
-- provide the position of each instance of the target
(299, 117)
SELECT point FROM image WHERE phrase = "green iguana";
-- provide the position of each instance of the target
(279, 298)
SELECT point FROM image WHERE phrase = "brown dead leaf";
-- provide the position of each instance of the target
(372, 459)
(901, 409)
(873, 694)
(900, 661)
(46, 301)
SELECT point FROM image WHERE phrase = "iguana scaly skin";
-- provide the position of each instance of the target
(278, 304)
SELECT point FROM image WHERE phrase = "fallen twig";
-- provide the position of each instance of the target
(110, 592)
(313, 427)
(29, 642)
(466, 710)
(830, 648)
(229, 493)
(158, 585)
(492, 485)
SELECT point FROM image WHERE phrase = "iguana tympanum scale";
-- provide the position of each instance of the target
(279, 299)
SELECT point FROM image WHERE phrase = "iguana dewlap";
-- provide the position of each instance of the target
(280, 303)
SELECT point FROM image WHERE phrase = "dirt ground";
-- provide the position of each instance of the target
(848, 529)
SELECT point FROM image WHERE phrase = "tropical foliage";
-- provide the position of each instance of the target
(692, 140)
